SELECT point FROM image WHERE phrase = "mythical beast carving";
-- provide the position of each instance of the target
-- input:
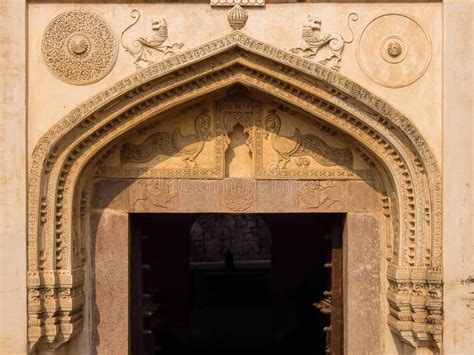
(143, 46)
(324, 47)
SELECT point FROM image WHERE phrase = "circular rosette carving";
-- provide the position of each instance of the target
(394, 50)
(239, 194)
(79, 47)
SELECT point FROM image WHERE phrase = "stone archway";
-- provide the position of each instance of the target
(391, 144)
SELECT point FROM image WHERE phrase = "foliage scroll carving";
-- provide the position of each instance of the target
(79, 47)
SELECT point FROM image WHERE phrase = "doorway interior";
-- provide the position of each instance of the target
(236, 283)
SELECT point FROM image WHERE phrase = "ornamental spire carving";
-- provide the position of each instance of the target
(237, 17)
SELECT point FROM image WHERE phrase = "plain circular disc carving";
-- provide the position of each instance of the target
(394, 50)
(79, 47)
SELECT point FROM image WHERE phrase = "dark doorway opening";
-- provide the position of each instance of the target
(236, 284)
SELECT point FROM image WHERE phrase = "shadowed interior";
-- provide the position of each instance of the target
(234, 283)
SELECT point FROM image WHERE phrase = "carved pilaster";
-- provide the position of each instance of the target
(55, 303)
(414, 297)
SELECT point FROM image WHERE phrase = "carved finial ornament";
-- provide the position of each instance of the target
(237, 17)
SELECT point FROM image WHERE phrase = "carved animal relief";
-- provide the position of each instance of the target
(320, 195)
(323, 47)
(268, 146)
(152, 194)
(142, 48)
(187, 147)
(303, 145)
(184, 147)
(292, 148)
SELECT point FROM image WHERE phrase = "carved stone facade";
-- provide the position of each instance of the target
(231, 107)
(69, 149)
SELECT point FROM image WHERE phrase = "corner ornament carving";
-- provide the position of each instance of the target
(142, 48)
(79, 47)
(324, 47)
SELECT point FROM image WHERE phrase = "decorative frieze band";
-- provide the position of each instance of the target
(253, 3)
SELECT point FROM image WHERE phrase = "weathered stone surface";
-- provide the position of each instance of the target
(110, 193)
(198, 195)
(277, 196)
(458, 182)
(363, 284)
(110, 299)
(13, 175)
(361, 196)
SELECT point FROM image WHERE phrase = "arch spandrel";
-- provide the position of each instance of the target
(56, 271)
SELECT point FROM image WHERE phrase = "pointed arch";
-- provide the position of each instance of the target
(55, 255)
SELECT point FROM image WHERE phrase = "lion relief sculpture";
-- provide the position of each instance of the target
(324, 47)
(143, 47)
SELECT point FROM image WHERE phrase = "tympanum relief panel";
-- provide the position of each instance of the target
(234, 137)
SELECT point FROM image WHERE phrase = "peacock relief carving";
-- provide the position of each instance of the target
(303, 145)
(176, 144)
(143, 46)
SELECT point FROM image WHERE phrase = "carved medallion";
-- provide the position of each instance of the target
(239, 194)
(79, 47)
(394, 50)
